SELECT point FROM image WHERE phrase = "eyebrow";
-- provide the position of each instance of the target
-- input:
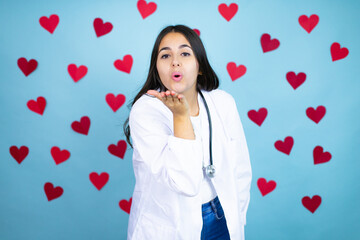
(181, 46)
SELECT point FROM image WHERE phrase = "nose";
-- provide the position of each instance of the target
(175, 62)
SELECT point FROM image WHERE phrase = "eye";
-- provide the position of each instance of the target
(185, 54)
(164, 56)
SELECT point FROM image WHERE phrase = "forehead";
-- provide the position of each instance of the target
(173, 40)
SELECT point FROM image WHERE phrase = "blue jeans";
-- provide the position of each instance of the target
(214, 222)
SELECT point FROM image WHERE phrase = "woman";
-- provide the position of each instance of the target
(182, 127)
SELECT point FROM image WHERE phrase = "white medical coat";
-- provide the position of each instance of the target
(166, 203)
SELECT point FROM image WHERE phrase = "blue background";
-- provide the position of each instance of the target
(83, 212)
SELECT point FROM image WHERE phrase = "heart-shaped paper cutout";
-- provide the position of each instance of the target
(320, 156)
(37, 106)
(337, 52)
(51, 192)
(268, 44)
(77, 73)
(58, 155)
(115, 102)
(311, 204)
(50, 23)
(83, 126)
(125, 64)
(308, 23)
(295, 80)
(125, 205)
(19, 154)
(27, 67)
(99, 181)
(316, 115)
(259, 116)
(102, 28)
(119, 149)
(228, 12)
(266, 187)
(146, 9)
(234, 71)
(285, 146)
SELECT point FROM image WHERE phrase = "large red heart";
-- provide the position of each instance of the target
(51, 192)
(58, 155)
(320, 156)
(102, 28)
(19, 154)
(77, 73)
(83, 126)
(99, 181)
(37, 106)
(27, 67)
(50, 23)
(235, 71)
(259, 116)
(125, 205)
(124, 65)
(119, 149)
(146, 9)
(308, 23)
(316, 115)
(228, 12)
(337, 52)
(285, 146)
(311, 204)
(265, 187)
(295, 80)
(115, 102)
(268, 44)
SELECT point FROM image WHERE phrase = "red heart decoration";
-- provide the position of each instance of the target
(50, 23)
(77, 73)
(320, 156)
(19, 154)
(311, 204)
(99, 181)
(285, 146)
(146, 9)
(308, 23)
(259, 116)
(234, 71)
(59, 156)
(102, 28)
(37, 106)
(338, 53)
(295, 80)
(83, 126)
(268, 44)
(197, 31)
(51, 192)
(27, 67)
(266, 187)
(316, 115)
(119, 149)
(228, 12)
(124, 65)
(115, 102)
(125, 205)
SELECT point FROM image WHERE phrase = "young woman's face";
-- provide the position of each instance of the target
(177, 65)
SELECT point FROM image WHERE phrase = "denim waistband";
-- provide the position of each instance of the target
(211, 206)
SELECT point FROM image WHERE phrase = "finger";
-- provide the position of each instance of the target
(153, 93)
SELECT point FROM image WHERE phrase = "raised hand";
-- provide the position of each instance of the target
(175, 102)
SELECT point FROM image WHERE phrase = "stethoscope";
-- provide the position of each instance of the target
(209, 170)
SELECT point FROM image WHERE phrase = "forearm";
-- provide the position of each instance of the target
(183, 127)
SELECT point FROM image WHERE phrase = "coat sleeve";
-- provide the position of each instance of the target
(243, 172)
(172, 161)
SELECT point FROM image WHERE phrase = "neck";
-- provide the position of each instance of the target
(192, 100)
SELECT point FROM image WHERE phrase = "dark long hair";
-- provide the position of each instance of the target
(208, 80)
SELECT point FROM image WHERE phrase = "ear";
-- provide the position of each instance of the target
(200, 73)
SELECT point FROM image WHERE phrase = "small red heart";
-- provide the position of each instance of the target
(266, 187)
(19, 154)
(259, 116)
(102, 28)
(338, 53)
(124, 65)
(268, 44)
(115, 102)
(37, 106)
(234, 71)
(119, 149)
(308, 23)
(285, 146)
(27, 67)
(316, 115)
(51, 192)
(228, 12)
(295, 80)
(125, 205)
(311, 204)
(83, 126)
(77, 73)
(197, 31)
(59, 156)
(320, 156)
(50, 23)
(146, 9)
(99, 181)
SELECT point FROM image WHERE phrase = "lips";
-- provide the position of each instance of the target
(176, 76)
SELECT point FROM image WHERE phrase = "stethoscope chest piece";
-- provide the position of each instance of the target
(210, 171)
